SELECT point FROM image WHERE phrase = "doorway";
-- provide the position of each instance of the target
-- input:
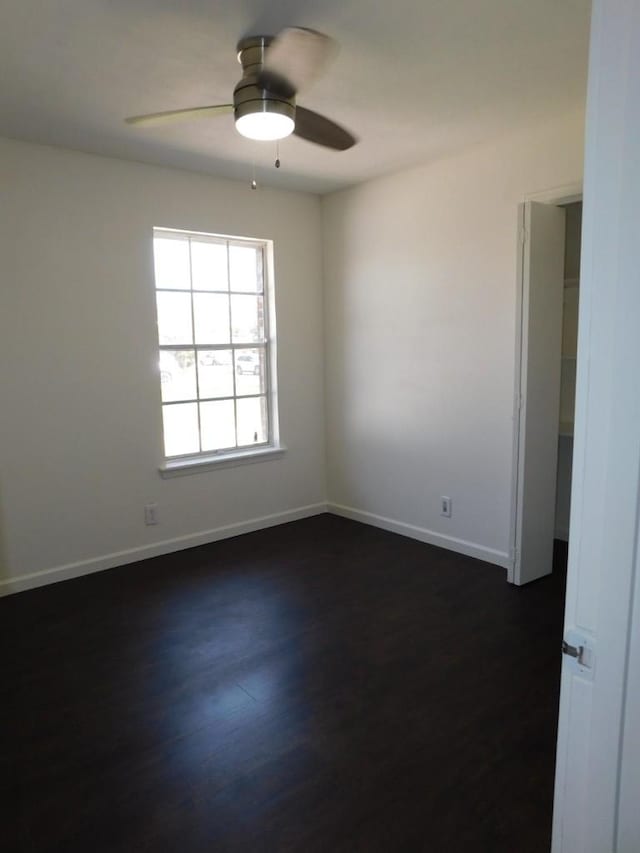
(546, 364)
(571, 299)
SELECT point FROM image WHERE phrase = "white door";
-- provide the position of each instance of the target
(597, 793)
(538, 389)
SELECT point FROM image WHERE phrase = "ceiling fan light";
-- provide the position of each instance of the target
(265, 126)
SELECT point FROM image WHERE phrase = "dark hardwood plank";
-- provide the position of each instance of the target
(320, 686)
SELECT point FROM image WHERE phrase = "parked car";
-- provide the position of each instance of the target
(215, 358)
(249, 363)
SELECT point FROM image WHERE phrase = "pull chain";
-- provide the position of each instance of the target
(254, 183)
(277, 154)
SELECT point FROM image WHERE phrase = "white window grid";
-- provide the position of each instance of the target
(263, 345)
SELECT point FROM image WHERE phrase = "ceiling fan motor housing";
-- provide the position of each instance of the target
(248, 96)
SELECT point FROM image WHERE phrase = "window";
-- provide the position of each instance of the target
(213, 332)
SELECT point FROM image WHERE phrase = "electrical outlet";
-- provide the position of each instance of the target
(150, 514)
(445, 507)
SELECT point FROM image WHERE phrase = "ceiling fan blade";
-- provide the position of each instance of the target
(180, 115)
(316, 128)
(295, 59)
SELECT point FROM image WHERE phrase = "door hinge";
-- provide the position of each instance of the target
(523, 236)
(579, 651)
(573, 651)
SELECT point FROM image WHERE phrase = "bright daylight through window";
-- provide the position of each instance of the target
(213, 335)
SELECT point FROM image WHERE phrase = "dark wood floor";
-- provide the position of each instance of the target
(320, 686)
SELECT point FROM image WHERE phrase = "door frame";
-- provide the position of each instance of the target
(556, 197)
(596, 797)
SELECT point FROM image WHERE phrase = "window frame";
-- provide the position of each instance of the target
(271, 447)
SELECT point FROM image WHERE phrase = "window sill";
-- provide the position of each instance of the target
(183, 467)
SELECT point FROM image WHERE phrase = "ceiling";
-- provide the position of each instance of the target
(415, 80)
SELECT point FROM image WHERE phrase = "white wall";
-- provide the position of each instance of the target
(420, 289)
(80, 429)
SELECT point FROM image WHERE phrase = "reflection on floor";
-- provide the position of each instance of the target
(320, 686)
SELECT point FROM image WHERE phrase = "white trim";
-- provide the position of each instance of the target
(181, 467)
(517, 395)
(157, 549)
(566, 194)
(441, 540)
(557, 196)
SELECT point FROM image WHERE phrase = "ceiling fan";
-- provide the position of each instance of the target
(264, 104)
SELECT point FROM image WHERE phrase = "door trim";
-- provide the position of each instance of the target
(555, 197)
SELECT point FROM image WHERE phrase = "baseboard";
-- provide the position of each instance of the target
(451, 543)
(157, 549)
